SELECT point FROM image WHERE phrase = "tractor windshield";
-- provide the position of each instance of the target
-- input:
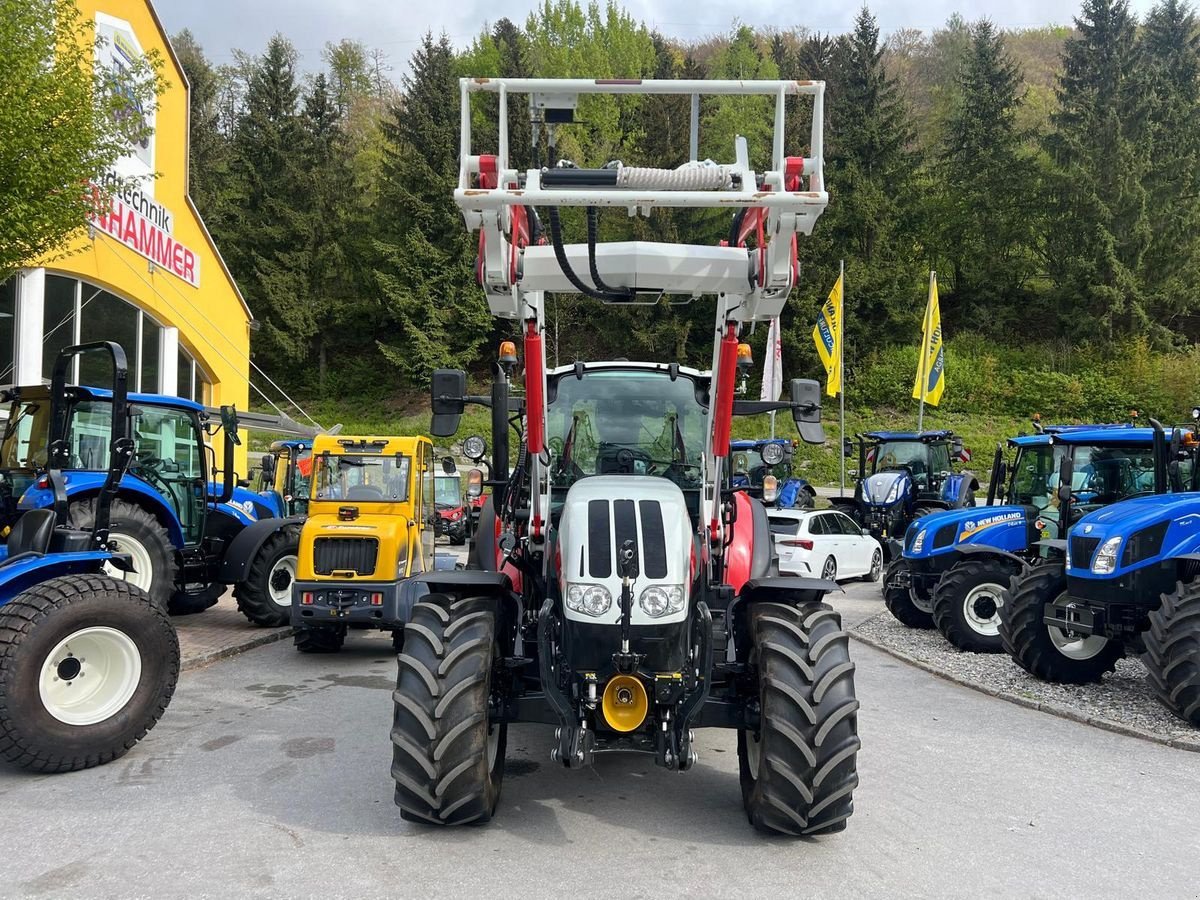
(448, 491)
(26, 434)
(912, 454)
(1100, 475)
(626, 421)
(362, 479)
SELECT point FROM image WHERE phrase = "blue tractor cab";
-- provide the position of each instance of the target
(88, 662)
(283, 477)
(188, 537)
(902, 476)
(956, 564)
(752, 461)
(1125, 583)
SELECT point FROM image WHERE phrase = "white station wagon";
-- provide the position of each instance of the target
(825, 544)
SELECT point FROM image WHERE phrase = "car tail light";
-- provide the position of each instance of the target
(306, 598)
(377, 599)
(802, 543)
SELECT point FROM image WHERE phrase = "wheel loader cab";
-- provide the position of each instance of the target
(370, 526)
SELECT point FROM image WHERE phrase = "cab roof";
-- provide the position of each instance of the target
(86, 392)
(924, 436)
(755, 444)
(294, 444)
(1122, 434)
(336, 444)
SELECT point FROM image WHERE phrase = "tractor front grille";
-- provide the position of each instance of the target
(339, 554)
(1082, 549)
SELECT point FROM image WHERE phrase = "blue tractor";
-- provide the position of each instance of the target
(88, 662)
(957, 564)
(1126, 583)
(188, 538)
(752, 461)
(902, 476)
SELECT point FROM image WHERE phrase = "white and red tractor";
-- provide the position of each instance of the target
(620, 590)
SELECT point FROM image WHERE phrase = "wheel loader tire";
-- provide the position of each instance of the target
(807, 498)
(265, 596)
(1045, 651)
(135, 530)
(967, 601)
(903, 602)
(798, 773)
(447, 759)
(1172, 655)
(88, 664)
(317, 639)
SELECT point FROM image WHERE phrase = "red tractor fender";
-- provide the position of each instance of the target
(748, 551)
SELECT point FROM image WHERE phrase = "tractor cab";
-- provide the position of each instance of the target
(284, 475)
(752, 461)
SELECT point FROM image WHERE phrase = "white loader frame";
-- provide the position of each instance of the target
(751, 284)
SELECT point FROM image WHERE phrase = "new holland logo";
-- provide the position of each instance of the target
(974, 526)
(1087, 529)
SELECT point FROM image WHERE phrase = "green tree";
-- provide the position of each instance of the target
(64, 122)
(350, 73)
(208, 146)
(984, 227)
(1171, 59)
(437, 312)
(1098, 230)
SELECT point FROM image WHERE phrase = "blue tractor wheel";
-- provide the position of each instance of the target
(1172, 654)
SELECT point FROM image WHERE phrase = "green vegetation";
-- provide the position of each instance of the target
(63, 123)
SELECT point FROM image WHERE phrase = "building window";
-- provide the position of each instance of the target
(184, 387)
(8, 323)
(59, 321)
(151, 351)
(105, 317)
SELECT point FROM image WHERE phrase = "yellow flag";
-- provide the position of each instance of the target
(827, 335)
(931, 366)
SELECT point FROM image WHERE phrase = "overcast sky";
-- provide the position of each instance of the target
(224, 25)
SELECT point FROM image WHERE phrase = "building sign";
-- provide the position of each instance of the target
(145, 226)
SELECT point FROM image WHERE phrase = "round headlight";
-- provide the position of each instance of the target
(596, 600)
(474, 447)
(772, 454)
(654, 602)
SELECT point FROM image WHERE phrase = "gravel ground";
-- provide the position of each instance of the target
(1122, 702)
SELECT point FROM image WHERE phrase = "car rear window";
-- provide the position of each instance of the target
(784, 525)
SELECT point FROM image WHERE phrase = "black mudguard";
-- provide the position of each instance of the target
(774, 589)
(245, 546)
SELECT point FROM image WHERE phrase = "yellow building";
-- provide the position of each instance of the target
(147, 274)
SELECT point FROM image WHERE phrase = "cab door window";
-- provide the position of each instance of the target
(167, 456)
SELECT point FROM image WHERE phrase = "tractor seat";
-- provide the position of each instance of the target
(31, 535)
(364, 492)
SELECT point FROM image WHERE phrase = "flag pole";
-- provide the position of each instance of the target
(924, 362)
(842, 368)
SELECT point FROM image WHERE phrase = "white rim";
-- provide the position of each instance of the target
(279, 582)
(925, 606)
(143, 570)
(1081, 647)
(984, 625)
(90, 676)
(753, 753)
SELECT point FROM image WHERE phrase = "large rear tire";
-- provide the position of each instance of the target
(904, 602)
(88, 664)
(967, 601)
(1172, 654)
(799, 771)
(265, 596)
(1045, 651)
(136, 531)
(447, 758)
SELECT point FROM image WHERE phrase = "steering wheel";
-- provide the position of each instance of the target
(149, 472)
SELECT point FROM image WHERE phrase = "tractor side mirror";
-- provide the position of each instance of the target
(266, 465)
(448, 465)
(806, 410)
(229, 421)
(1066, 475)
(956, 448)
(1002, 473)
(847, 448)
(448, 391)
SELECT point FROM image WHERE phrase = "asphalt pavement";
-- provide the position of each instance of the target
(268, 777)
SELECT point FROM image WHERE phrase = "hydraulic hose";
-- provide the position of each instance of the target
(593, 226)
(560, 254)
